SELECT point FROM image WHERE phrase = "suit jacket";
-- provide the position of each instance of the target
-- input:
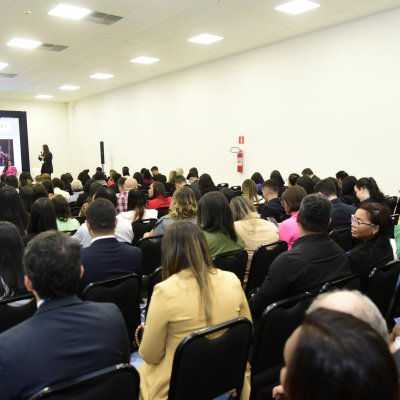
(313, 260)
(341, 214)
(273, 209)
(107, 258)
(65, 338)
(175, 311)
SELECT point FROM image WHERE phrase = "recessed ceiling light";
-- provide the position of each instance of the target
(145, 60)
(205, 38)
(70, 12)
(24, 43)
(101, 76)
(69, 87)
(3, 65)
(295, 7)
(44, 96)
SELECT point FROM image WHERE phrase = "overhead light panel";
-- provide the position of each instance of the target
(295, 7)
(3, 65)
(71, 88)
(205, 38)
(145, 60)
(101, 76)
(24, 43)
(44, 96)
(70, 12)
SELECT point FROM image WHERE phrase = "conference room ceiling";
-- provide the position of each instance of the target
(156, 28)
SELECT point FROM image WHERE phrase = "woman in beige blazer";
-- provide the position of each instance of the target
(193, 295)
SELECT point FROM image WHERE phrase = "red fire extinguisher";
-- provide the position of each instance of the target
(239, 161)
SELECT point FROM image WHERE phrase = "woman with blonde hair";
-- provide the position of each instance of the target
(183, 207)
(193, 295)
(251, 228)
(249, 190)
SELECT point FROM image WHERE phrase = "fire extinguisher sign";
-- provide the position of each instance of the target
(241, 139)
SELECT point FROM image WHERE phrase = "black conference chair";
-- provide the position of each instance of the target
(237, 189)
(233, 261)
(139, 228)
(71, 232)
(151, 250)
(343, 238)
(392, 203)
(124, 291)
(275, 326)
(222, 185)
(162, 212)
(383, 289)
(211, 361)
(262, 259)
(13, 314)
(154, 278)
(395, 219)
(349, 282)
(120, 382)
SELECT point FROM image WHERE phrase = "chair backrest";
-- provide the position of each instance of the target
(233, 261)
(277, 323)
(395, 220)
(342, 237)
(392, 203)
(74, 211)
(237, 189)
(70, 232)
(349, 282)
(12, 314)
(124, 291)
(262, 259)
(140, 227)
(120, 382)
(151, 250)
(162, 212)
(211, 361)
(383, 288)
(154, 278)
(223, 185)
(80, 219)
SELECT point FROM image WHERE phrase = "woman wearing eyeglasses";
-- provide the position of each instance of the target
(370, 225)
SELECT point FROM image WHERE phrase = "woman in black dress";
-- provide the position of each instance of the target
(47, 158)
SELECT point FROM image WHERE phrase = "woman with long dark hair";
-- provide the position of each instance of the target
(206, 184)
(215, 218)
(64, 220)
(367, 190)
(158, 196)
(136, 209)
(47, 158)
(193, 295)
(12, 209)
(11, 267)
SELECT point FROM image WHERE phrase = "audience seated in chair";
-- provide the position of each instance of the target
(66, 337)
(106, 257)
(194, 295)
(158, 196)
(122, 197)
(273, 207)
(64, 220)
(136, 209)
(313, 260)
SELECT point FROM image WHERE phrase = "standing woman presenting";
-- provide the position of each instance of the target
(47, 158)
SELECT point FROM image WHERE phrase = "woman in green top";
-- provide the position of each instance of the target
(63, 215)
(214, 217)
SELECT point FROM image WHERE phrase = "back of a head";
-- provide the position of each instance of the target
(159, 189)
(125, 171)
(76, 185)
(271, 185)
(101, 215)
(139, 178)
(307, 171)
(379, 215)
(39, 191)
(52, 262)
(354, 303)
(11, 268)
(215, 215)
(228, 193)
(276, 176)
(26, 195)
(136, 200)
(292, 197)
(257, 178)
(341, 175)
(315, 213)
(179, 171)
(61, 207)
(337, 356)
(242, 208)
(180, 180)
(372, 187)
(42, 217)
(326, 187)
(348, 184)
(306, 182)
(46, 177)
(184, 204)
(84, 176)
(49, 186)
(12, 208)
(206, 182)
(249, 189)
(194, 171)
(171, 176)
(292, 179)
(99, 176)
(58, 183)
(12, 180)
(130, 183)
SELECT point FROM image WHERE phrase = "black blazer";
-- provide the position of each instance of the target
(64, 339)
(47, 166)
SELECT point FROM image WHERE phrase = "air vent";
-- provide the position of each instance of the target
(4, 75)
(53, 47)
(102, 19)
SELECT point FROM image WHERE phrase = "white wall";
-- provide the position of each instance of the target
(47, 124)
(327, 100)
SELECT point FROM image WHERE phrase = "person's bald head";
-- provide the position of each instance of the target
(353, 303)
(130, 183)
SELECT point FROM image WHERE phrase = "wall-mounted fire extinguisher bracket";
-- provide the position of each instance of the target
(239, 158)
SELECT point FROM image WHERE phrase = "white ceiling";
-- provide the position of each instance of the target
(158, 28)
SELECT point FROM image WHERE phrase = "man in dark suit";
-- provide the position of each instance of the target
(341, 212)
(273, 207)
(66, 337)
(313, 260)
(106, 257)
